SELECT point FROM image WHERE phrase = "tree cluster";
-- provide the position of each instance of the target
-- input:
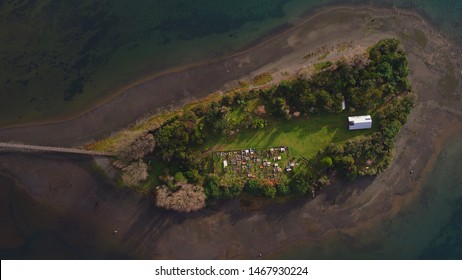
(364, 86)
(176, 138)
(369, 155)
(187, 198)
(377, 85)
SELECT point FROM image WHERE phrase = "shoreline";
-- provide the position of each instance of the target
(272, 35)
(147, 232)
(139, 100)
(399, 202)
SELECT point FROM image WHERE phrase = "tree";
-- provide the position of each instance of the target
(299, 185)
(193, 176)
(252, 187)
(335, 149)
(212, 187)
(232, 191)
(325, 101)
(307, 101)
(177, 136)
(392, 129)
(135, 173)
(346, 162)
(180, 178)
(280, 107)
(187, 198)
(269, 191)
(283, 189)
(326, 162)
(142, 146)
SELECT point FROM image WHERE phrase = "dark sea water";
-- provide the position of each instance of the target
(184, 31)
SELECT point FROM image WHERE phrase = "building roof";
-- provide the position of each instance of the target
(360, 119)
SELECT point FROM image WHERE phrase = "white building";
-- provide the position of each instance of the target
(225, 164)
(359, 122)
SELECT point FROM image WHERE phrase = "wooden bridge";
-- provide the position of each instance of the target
(25, 147)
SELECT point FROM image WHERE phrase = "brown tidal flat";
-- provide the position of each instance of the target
(143, 231)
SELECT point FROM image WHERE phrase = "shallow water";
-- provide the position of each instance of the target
(58, 64)
(26, 230)
(429, 228)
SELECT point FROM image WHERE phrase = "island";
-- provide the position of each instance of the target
(281, 140)
(58, 203)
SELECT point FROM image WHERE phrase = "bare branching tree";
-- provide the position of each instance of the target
(134, 173)
(142, 146)
(187, 198)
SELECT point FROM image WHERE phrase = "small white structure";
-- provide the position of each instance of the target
(343, 104)
(359, 122)
(225, 164)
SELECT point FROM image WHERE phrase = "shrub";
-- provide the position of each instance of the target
(326, 162)
(180, 178)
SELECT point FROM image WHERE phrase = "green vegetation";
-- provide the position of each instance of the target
(323, 56)
(305, 137)
(287, 140)
(322, 65)
(262, 79)
(244, 84)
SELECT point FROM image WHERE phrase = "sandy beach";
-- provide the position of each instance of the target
(143, 231)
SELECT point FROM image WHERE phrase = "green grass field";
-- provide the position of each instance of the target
(304, 137)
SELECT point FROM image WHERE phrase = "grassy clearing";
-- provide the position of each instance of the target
(304, 137)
